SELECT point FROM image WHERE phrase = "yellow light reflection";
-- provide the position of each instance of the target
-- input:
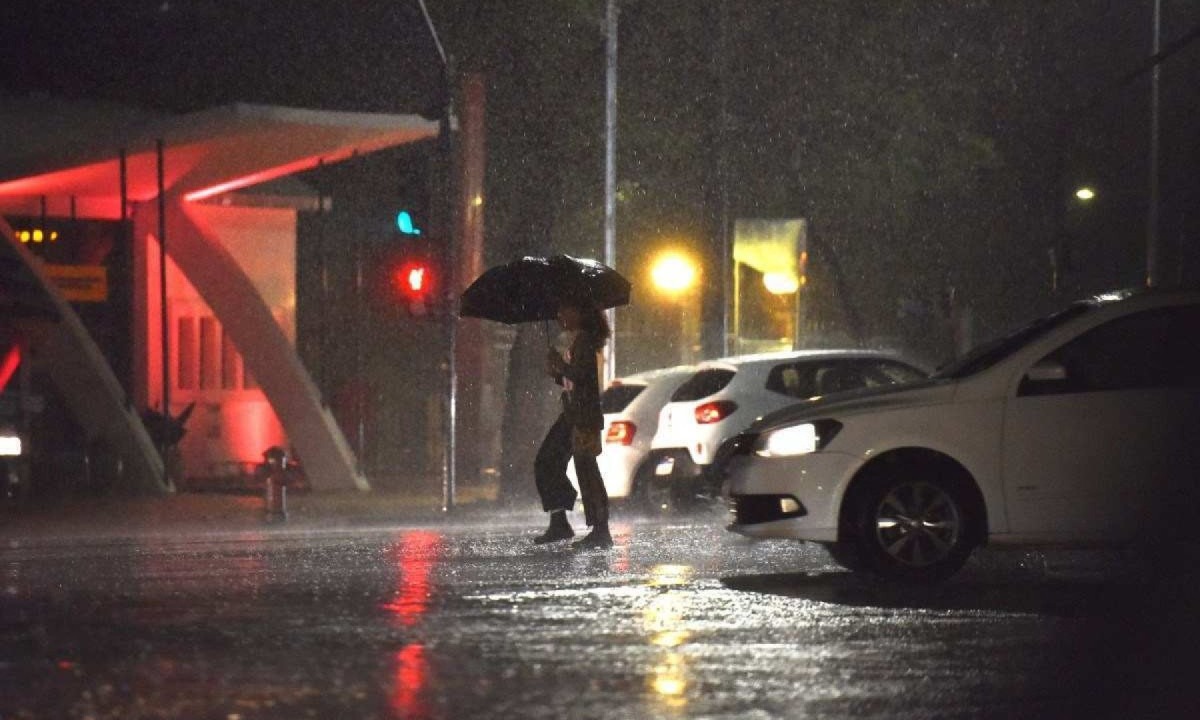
(663, 575)
(670, 679)
(781, 283)
(673, 273)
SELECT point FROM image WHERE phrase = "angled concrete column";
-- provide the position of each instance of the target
(80, 372)
(328, 459)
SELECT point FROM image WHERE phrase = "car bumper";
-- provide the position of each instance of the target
(676, 479)
(618, 465)
(815, 481)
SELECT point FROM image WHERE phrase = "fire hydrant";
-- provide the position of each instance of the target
(275, 484)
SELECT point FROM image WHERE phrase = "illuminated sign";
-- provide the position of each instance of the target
(80, 283)
(37, 235)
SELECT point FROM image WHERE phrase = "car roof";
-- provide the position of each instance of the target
(735, 362)
(648, 376)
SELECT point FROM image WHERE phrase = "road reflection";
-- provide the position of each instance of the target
(664, 620)
(414, 557)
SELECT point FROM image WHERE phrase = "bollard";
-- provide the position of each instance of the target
(276, 500)
(275, 485)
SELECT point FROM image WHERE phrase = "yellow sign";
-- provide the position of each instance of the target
(80, 283)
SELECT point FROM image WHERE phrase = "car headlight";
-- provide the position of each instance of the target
(795, 440)
(10, 445)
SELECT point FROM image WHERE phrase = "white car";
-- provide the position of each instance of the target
(723, 397)
(1082, 427)
(631, 406)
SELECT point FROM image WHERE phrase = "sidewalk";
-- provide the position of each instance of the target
(188, 514)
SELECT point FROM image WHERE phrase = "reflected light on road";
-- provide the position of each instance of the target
(666, 575)
(414, 557)
(664, 620)
(411, 669)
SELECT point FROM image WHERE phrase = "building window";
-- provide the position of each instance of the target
(210, 356)
(185, 370)
(231, 364)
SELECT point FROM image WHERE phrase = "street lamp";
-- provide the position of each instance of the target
(673, 273)
(1085, 193)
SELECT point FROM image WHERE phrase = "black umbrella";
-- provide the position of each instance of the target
(531, 288)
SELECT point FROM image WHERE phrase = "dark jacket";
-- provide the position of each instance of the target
(580, 376)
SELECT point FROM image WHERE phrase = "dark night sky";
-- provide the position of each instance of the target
(192, 54)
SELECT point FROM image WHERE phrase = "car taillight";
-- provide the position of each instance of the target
(620, 433)
(714, 411)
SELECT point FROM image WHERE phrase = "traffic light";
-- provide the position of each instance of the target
(406, 223)
(414, 281)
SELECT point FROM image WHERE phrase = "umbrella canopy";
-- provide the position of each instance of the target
(531, 288)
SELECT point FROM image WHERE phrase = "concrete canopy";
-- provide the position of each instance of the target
(205, 153)
(68, 160)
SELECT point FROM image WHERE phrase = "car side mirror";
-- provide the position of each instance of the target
(1046, 371)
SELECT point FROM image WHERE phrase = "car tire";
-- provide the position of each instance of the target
(642, 493)
(914, 524)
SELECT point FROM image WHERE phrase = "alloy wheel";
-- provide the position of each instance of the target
(918, 523)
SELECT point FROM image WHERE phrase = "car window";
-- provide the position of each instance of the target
(797, 380)
(618, 396)
(702, 384)
(988, 354)
(807, 379)
(1152, 349)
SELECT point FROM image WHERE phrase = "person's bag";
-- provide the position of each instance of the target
(586, 441)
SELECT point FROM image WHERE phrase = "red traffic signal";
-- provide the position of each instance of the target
(414, 279)
(414, 282)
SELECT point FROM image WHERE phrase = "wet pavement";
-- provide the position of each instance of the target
(464, 618)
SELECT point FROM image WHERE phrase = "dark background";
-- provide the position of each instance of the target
(934, 146)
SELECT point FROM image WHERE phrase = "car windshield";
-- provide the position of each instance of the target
(989, 353)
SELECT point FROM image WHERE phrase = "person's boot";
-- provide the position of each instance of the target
(559, 529)
(598, 539)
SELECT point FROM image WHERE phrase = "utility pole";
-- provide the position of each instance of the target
(444, 201)
(1152, 260)
(610, 173)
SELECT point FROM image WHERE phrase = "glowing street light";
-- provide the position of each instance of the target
(1085, 193)
(673, 273)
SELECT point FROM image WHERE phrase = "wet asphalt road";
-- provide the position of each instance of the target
(465, 619)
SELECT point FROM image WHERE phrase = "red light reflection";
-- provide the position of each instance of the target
(411, 669)
(414, 557)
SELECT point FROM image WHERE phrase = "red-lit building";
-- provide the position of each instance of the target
(80, 202)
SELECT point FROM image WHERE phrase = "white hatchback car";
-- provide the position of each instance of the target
(723, 397)
(1082, 427)
(631, 406)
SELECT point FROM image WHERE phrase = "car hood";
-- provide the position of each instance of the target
(854, 402)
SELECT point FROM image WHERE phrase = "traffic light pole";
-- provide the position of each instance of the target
(443, 201)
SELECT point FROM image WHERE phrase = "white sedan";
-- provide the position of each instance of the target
(1081, 427)
(723, 397)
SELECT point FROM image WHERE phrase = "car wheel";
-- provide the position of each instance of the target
(913, 526)
(642, 494)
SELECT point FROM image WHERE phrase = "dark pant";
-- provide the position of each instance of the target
(550, 475)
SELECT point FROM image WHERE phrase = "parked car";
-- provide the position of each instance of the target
(722, 397)
(1081, 427)
(631, 406)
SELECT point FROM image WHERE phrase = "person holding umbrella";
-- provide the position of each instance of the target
(575, 291)
(576, 433)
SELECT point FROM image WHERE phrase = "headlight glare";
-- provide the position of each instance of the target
(797, 439)
(10, 445)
